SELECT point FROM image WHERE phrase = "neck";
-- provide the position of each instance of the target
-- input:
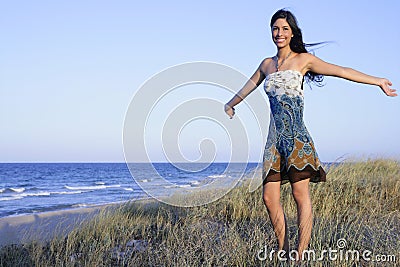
(283, 52)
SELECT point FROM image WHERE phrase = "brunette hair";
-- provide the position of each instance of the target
(296, 43)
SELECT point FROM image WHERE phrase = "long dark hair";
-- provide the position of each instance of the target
(296, 43)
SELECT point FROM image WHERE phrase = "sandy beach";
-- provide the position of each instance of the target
(45, 225)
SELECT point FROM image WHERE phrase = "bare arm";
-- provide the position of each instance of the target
(254, 81)
(319, 66)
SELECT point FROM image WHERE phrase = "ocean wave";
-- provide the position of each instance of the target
(12, 190)
(38, 194)
(71, 193)
(18, 189)
(91, 187)
(170, 186)
(10, 198)
(80, 205)
(46, 193)
(177, 185)
(217, 176)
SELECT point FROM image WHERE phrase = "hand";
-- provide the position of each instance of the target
(229, 110)
(384, 85)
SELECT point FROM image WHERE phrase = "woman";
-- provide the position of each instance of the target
(290, 154)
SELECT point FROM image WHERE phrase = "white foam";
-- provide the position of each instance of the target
(128, 189)
(170, 186)
(18, 189)
(217, 176)
(80, 205)
(93, 187)
(69, 192)
(39, 194)
(10, 198)
(35, 194)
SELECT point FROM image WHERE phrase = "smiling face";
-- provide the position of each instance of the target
(281, 33)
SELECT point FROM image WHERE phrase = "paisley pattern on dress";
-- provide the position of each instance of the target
(289, 144)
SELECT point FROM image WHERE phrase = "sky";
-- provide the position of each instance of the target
(69, 70)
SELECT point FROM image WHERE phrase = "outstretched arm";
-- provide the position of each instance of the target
(254, 81)
(319, 66)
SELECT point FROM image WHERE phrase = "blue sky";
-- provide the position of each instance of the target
(69, 69)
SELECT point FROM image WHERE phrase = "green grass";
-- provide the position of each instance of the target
(359, 202)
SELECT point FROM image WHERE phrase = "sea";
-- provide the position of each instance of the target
(27, 188)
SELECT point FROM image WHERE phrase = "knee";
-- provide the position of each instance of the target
(301, 196)
(270, 201)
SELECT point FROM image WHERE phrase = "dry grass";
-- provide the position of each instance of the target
(360, 203)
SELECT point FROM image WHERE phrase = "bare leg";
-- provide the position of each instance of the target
(301, 194)
(271, 197)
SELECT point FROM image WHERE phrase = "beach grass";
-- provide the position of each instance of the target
(359, 205)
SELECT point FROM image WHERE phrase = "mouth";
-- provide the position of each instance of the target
(280, 40)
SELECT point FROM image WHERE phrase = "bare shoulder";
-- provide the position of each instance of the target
(266, 61)
(306, 57)
(305, 61)
(265, 65)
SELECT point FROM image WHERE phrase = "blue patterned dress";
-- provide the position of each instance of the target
(289, 153)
